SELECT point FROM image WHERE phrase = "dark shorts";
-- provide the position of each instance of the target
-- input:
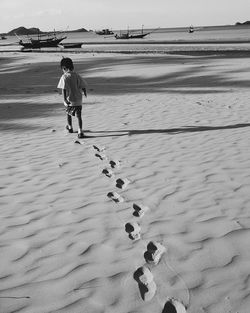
(74, 110)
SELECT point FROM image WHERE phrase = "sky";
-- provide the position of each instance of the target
(120, 14)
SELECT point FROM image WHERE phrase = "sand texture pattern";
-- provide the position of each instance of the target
(177, 131)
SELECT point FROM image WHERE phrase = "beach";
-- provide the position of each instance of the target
(176, 127)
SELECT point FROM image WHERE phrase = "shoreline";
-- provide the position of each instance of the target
(240, 53)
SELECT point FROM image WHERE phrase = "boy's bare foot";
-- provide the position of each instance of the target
(69, 129)
(80, 135)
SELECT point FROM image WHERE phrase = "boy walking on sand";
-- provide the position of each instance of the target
(72, 86)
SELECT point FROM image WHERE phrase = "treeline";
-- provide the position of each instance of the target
(244, 23)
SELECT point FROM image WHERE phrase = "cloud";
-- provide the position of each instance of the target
(34, 14)
(49, 12)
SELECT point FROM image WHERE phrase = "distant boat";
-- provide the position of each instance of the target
(122, 36)
(105, 31)
(135, 36)
(51, 40)
(3, 37)
(129, 35)
(68, 45)
(191, 29)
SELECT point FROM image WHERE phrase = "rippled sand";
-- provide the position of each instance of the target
(179, 127)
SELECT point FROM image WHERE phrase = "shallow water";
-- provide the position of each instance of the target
(219, 33)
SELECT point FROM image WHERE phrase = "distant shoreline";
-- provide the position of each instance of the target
(169, 29)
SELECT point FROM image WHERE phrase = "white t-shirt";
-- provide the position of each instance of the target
(73, 84)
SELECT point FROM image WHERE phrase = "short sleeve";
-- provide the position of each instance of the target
(61, 84)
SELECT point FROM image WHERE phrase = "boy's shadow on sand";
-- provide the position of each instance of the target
(179, 130)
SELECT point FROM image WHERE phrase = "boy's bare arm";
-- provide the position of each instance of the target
(85, 92)
(66, 102)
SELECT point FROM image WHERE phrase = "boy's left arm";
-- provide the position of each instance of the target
(83, 85)
(65, 101)
(85, 92)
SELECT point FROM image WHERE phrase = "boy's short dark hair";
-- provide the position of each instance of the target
(67, 63)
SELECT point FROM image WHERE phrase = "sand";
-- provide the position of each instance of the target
(177, 129)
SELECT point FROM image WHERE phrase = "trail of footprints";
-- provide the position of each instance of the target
(155, 250)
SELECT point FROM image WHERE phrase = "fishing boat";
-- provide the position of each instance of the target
(105, 31)
(130, 35)
(42, 41)
(71, 45)
(136, 36)
(122, 36)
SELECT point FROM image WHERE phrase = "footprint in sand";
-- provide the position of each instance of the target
(62, 164)
(133, 229)
(154, 252)
(115, 164)
(146, 283)
(78, 142)
(174, 306)
(122, 183)
(101, 156)
(107, 172)
(99, 149)
(115, 197)
(139, 210)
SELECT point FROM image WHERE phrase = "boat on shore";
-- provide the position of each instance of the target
(71, 45)
(42, 41)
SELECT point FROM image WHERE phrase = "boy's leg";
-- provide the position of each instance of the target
(79, 118)
(69, 122)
